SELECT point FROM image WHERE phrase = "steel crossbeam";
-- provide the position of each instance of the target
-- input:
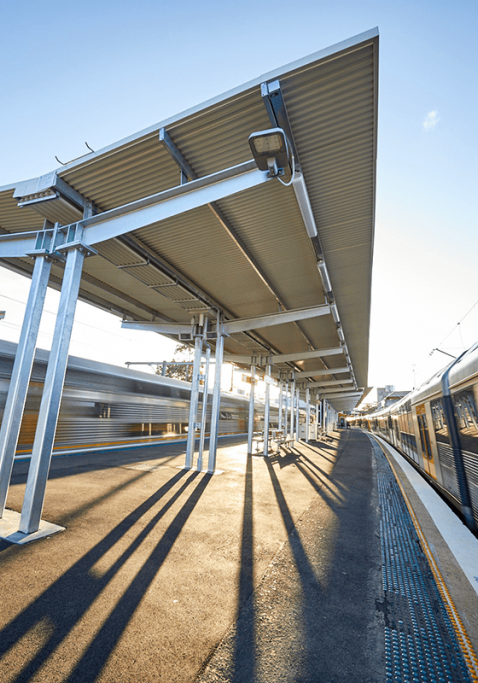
(320, 373)
(149, 210)
(282, 358)
(234, 326)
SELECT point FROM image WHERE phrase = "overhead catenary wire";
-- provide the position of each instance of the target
(459, 323)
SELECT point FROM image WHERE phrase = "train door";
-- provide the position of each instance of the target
(425, 443)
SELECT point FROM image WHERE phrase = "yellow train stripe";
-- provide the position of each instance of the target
(134, 442)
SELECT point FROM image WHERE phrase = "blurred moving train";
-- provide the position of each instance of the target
(436, 427)
(105, 406)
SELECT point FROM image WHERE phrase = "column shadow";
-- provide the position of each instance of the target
(325, 617)
(78, 588)
(244, 644)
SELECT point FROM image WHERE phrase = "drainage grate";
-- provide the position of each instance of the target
(420, 642)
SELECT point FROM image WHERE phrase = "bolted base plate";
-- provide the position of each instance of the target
(9, 524)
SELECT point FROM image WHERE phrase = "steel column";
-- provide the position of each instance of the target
(267, 379)
(204, 409)
(307, 421)
(216, 405)
(317, 418)
(297, 412)
(50, 403)
(250, 425)
(22, 369)
(193, 404)
(292, 410)
(279, 426)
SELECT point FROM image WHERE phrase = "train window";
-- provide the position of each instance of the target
(423, 430)
(439, 423)
(467, 419)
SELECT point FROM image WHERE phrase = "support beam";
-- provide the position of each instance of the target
(354, 394)
(234, 326)
(189, 172)
(22, 368)
(275, 105)
(257, 322)
(281, 397)
(307, 422)
(193, 404)
(176, 154)
(321, 373)
(153, 209)
(332, 383)
(250, 422)
(292, 411)
(50, 403)
(173, 202)
(267, 379)
(318, 417)
(282, 358)
(159, 327)
(205, 396)
(216, 405)
(17, 245)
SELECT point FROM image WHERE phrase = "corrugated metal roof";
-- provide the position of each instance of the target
(263, 256)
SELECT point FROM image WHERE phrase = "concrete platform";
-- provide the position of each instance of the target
(270, 571)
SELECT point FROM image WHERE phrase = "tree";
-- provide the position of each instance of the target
(182, 354)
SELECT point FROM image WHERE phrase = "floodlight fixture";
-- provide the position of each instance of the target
(270, 150)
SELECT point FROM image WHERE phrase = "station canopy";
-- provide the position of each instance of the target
(182, 222)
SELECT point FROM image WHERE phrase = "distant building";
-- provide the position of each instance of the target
(387, 395)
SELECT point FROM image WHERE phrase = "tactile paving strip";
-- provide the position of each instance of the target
(420, 641)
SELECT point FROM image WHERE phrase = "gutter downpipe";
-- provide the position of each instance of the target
(462, 480)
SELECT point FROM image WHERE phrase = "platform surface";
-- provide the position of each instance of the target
(271, 571)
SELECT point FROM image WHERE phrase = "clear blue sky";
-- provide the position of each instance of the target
(98, 71)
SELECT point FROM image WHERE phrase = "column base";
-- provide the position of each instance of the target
(10, 522)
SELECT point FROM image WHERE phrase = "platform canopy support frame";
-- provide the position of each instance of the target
(154, 235)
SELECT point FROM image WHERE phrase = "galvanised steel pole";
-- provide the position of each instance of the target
(279, 426)
(51, 397)
(250, 422)
(216, 405)
(267, 379)
(317, 417)
(204, 409)
(292, 411)
(307, 422)
(22, 370)
(286, 407)
(193, 403)
(297, 413)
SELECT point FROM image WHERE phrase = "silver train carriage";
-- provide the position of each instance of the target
(105, 406)
(436, 427)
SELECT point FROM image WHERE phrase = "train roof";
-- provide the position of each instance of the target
(463, 369)
(90, 366)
